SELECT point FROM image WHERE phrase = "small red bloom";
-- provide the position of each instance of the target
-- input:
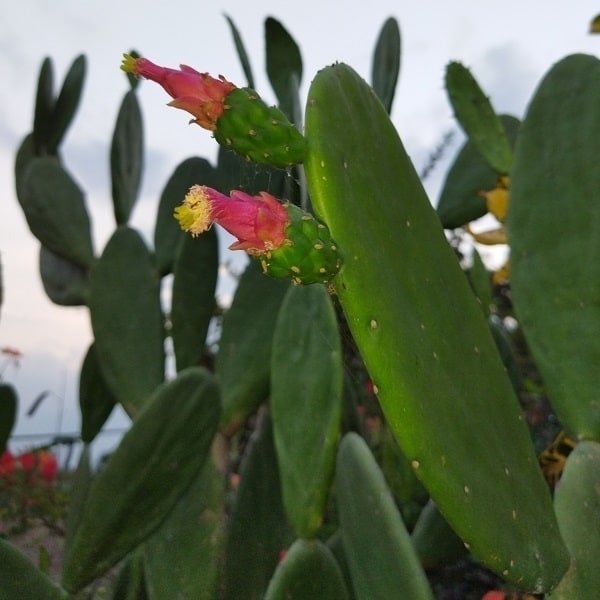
(259, 222)
(47, 465)
(7, 464)
(198, 93)
(28, 461)
(494, 595)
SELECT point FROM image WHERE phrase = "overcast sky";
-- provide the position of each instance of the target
(508, 45)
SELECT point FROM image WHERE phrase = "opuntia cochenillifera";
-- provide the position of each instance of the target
(289, 242)
(239, 118)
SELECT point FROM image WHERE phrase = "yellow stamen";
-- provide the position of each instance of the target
(194, 214)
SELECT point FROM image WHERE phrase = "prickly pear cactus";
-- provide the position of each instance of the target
(288, 242)
(429, 351)
(553, 224)
(251, 472)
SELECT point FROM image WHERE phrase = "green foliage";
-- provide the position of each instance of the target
(290, 578)
(96, 400)
(65, 283)
(154, 465)
(577, 503)
(167, 233)
(553, 224)
(242, 365)
(126, 157)
(423, 349)
(190, 566)
(53, 115)
(21, 579)
(193, 302)
(474, 112)
(258, 529)
(127, 320)
(374, 547)
(55, 210)
(386, 63)
(305, 382)
(284, 66)
(8, 412)
(434, 540)
(227, 485)
(460, 200)
(241, 50)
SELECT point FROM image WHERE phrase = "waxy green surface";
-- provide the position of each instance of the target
(424, 338)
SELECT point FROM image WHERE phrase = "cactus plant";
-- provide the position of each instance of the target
(280, 465)
(410, 345)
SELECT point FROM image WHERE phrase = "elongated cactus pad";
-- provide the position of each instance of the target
(424, 338)
(554, 235)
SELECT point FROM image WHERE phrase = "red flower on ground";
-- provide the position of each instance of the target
(494, 595)
(28, 461)
(47, 465)
(7, 465)
(198, 93)
(258, 222)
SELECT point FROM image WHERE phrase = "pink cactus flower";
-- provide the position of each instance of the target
(198, 93)
(258, 222)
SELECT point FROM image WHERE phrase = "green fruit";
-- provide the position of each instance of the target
(259, 132)
(311, 256)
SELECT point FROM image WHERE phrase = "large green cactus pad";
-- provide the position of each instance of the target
(193, 301)
(577, 503)
(424, 338)
(474, 112)
(554, 235)
(191, 565)
(21, 579)
(243, 363)
(308, 571)
(306, 401)
(381, 558)
(460, 199)
(154, 465)
(126, 158)
(126, 319)
(55, 210)
(8, 412)
(96, 400)
(257, 526)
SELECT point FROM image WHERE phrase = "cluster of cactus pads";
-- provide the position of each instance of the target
(188, 506)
